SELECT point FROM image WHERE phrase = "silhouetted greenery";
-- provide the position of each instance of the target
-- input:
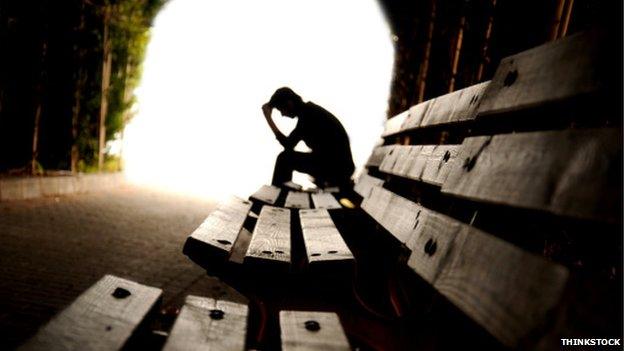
(52, 59)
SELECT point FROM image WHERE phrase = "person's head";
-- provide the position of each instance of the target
(286, 101)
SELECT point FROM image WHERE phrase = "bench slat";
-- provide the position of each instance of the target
(207, 324)
(377, 156)
(270, 242)
(322, 240)
(506, 290)
(267, 194)
(454, 107)
(427, 163)
(325, 200)
(395, 213)
(572, 172)
(394, 125)
(297, 199)
(102, 318)
(432, 227)
(557, 70)
(323, 331)
(365, 184)
(215, 237)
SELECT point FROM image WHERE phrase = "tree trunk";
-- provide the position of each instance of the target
(424, 66)
(106, 73)
(80, 82)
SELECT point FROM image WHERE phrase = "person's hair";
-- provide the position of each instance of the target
(282, 95)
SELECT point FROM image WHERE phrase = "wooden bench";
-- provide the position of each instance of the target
(116, 314)
(488, 217)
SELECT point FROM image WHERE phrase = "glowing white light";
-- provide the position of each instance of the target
(211, 65)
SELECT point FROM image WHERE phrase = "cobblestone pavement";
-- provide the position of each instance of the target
(52, 249)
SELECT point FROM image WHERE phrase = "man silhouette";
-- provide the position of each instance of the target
(330, 162)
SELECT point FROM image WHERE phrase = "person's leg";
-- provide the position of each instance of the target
(289, 161)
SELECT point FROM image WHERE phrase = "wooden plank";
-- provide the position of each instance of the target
(102, 318)
(572, 172)
(325, 200)
(207, 324)
(297, 199)
(267, 194)
(270, 242)
(510, 292)
(416, 115)
(454, 107)
(215, 237)
(365, 184)
(395, 213)
(557, 70)
(430, 242)
(438, 165)
(377, 156)
(394, 124)
(303, 330)
(323, 242)
(427, 163)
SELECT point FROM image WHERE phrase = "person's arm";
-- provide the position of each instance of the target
(287, 142)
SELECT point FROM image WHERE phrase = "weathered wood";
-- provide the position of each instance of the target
(297, 199)
(572, 172)
(365, 184)
(302, 330)
(377, 156)
(438, 165)
(102, 318)
(557, 70)
(267, 194)
(325, 200)
(510, 292)
(323, 242)
(270, 242)
(430, 242)
(416, 115)
(215, 237)
(207, 324)
(395, 213)
(394, 124)
(454, 107)
(427, 163)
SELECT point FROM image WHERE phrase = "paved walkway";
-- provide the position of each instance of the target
(52, 249)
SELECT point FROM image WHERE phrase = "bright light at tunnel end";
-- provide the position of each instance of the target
(211, 65)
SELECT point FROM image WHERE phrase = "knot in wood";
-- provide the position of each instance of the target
(430, 247)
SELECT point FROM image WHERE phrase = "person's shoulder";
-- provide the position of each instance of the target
(313, 108)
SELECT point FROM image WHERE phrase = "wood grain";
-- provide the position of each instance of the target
(271, 237)
(395, 213)
(323, 241)
(295, 335)
(365, 184)
(325, 200)
(430, 243)
(377, 156)
(572, 172)
(510, 292)
(555, 71)
(427, 163)
(297, 199)
(215, 237)
(97, 320)
(454, 107)
(207, 324)
(395, 124)
(267, 194)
